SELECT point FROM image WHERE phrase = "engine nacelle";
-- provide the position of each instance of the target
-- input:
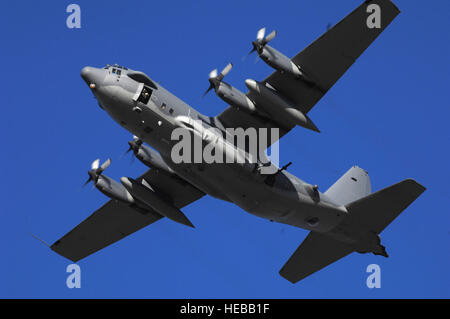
(113, 189)
(143, 193)
(281, 110)
(234, 97)
(280, 62)
(151, 158)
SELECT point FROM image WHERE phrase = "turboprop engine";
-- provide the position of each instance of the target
(133, 192)
(274, 58)
(147, 156)
(227, 92)
(107, 185)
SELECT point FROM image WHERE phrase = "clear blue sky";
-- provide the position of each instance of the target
(388, 114)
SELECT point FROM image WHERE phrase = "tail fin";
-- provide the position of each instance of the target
(373, 212)
(352, 186)
(379, 209)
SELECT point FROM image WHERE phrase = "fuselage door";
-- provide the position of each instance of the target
(143, 94)
(138, 92)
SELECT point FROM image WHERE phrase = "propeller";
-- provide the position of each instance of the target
(215, 79)
(96, 170)
(261, 41)
(135, 144)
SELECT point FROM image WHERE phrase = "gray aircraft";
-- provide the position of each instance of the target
(346, 218)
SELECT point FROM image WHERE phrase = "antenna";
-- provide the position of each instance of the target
(40, 240)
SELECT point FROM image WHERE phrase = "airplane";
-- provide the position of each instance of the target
(348, 217)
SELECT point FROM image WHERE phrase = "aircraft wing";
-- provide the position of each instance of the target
(116, 220)
(315, 252)
(324, 62)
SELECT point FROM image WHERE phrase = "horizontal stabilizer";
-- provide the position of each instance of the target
(379, 209)
(315, 252)
(353, 185)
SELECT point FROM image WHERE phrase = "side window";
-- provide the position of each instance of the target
(145, 95)
(119, 72)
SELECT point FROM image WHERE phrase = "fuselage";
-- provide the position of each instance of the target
(147, 110)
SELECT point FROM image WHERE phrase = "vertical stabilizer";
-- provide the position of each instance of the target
(353, 185)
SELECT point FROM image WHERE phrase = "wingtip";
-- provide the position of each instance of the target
(185, 221)
(416, 183)
(190, 224)
(286, 276)
(313, 126)
(395, 6)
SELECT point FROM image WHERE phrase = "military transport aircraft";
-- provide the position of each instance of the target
(346, 218)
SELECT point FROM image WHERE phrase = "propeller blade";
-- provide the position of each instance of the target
(87, 182)
(211, 86)
(125, 153)
(213, 74)
(95, 164)
(224, 72)
(226, 69)
(105, 165)
(260, 34)
(255, 47)
(270, 36)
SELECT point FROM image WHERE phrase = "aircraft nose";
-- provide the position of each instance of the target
(93, 76)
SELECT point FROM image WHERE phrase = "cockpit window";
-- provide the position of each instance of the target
(142, 78)
(119, 72)
(115, 66)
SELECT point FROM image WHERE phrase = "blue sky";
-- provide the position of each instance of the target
(388, 114)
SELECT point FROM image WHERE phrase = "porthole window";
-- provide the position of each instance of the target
(314, 221)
